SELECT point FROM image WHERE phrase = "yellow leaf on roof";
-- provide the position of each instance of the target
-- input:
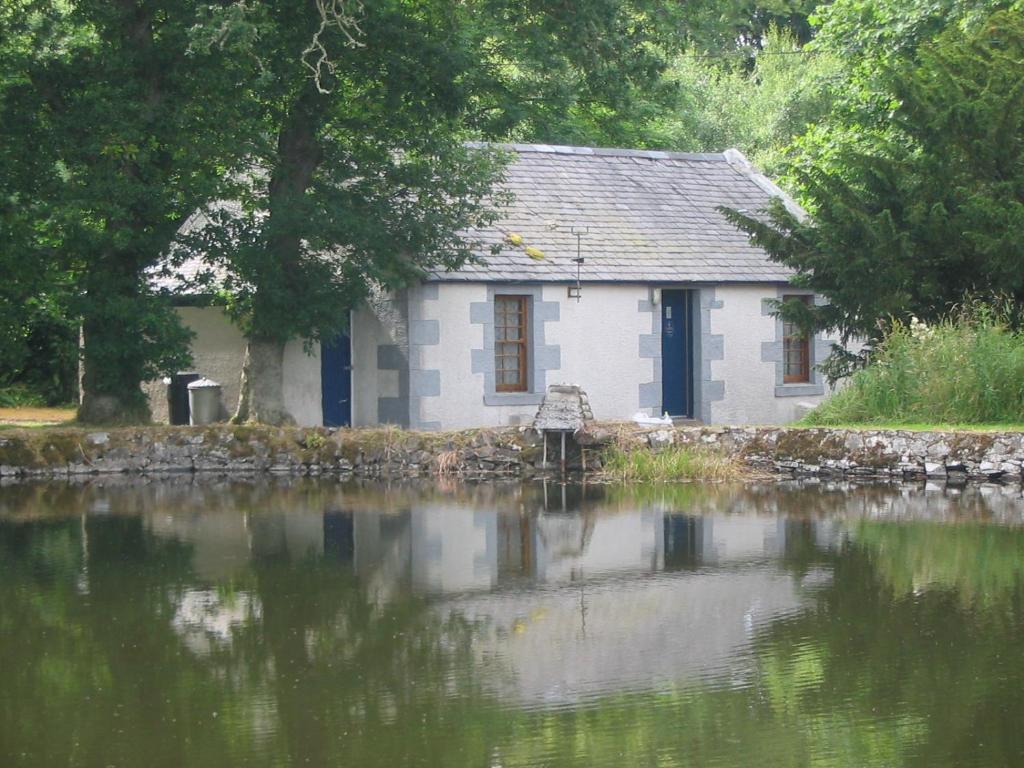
(535, 253)
(514, 239)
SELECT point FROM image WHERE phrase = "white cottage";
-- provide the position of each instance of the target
(617, 273)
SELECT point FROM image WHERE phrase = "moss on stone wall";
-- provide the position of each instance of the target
(390, 451)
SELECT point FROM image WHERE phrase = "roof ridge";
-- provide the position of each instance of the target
(739, 161)
(565, 149)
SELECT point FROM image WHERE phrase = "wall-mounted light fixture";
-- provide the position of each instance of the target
(576, 291)
(655, 296)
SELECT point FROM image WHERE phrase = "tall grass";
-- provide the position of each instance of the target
(968, 369)
(678, 462)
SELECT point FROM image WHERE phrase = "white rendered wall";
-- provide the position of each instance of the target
(302, 394)
(599, 344)
(461, 402)
(380, 323)
(599, 349)
(599, 339)
(750, 382)
(218, 350)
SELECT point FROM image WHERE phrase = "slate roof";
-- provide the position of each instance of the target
(652, 217)
(192, 275)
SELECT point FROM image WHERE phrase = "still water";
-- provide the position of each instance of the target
(189, 623)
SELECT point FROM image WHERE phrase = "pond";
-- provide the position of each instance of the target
(192, 623)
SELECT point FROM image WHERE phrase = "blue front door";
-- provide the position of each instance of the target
(336, 381)
(677, 353)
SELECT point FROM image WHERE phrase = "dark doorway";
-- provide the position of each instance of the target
(677, 353)
(336, 381)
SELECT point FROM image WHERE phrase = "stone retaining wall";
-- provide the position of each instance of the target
(245, 449)
(891, 454)
(953, 456)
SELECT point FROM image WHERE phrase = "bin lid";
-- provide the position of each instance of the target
(203, 384)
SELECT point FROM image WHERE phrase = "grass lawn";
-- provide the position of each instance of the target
(1007, 427)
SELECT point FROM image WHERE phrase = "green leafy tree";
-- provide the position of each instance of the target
(722, 101)
(113, 133)
(879, 29)
(34, 329)
(361, 175)
(742, 26)
(916, 194)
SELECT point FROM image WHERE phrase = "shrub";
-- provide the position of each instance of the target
(18, 396)
(967, 369)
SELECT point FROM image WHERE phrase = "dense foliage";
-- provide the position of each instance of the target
(914, 182)
(967, 369)
(104, 109)
(339, 128)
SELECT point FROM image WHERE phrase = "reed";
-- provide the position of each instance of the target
(674, 463)
(967, 369)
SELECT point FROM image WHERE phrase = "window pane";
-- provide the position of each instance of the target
(796, 360)
(510, 342)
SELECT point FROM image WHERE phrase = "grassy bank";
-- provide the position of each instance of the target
(672, 464)
(918, 426)
(965, 371)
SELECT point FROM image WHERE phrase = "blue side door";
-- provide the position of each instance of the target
(677, 353)
(336, 381)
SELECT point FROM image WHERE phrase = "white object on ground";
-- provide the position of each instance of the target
(643, 419)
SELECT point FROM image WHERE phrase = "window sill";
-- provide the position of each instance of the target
(513, 398)
(809, 389)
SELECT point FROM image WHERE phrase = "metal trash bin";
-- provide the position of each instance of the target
(203, 402)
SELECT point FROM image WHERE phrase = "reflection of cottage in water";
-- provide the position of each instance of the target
(570, 604)
(576, 604)
(624, 617)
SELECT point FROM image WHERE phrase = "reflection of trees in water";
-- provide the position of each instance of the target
(109, 670)
(93, 672)
(361, 683)
(864, 679)
(982, 564)
(910, 656)
(939, 675)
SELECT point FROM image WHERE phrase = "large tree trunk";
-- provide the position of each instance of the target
(111, 393)
(112, 363)
(261, 396)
